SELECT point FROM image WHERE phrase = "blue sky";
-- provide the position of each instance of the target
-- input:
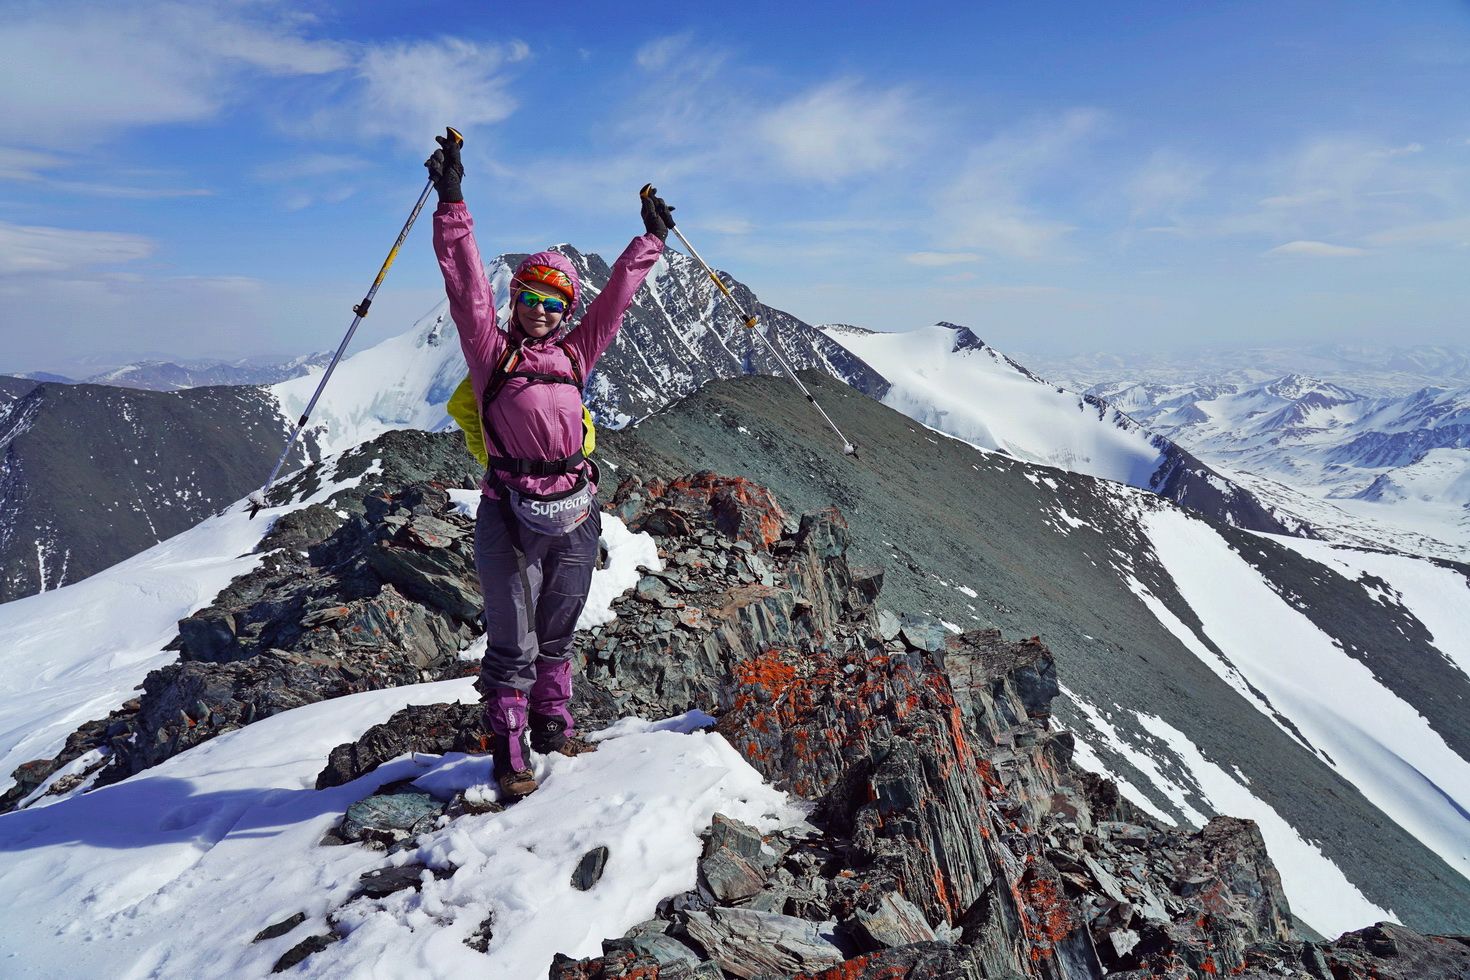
(223, 179)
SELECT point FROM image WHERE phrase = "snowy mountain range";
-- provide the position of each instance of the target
(165, 375)
(1316, 689)
(1400, 461)
(1372, 371)
(676, 338)
(951, 381)
(91, 474)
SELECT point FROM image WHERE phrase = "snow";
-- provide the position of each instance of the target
(403, 382)
(73, 654)
(1398, 461)
(1222, 668)
(1371, 737)
(1317, 890)
(1147, 766)
(172, 872)
(981, 397)
(1438, 597)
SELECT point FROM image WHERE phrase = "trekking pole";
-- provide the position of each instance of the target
(257, 499)
(848, 449)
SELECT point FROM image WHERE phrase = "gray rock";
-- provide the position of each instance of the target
(385, 819)
(382, 882)
(280, 928)
(1123, 941)
(727, 833)
(648, 927)
(589, 870)
(924, 634)
(751, 944)
(888, 625)
(730, 877)
(668, 951)
(894, 922)
(298, 953)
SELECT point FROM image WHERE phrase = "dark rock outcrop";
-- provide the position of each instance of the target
(949, 834)
(384, 596)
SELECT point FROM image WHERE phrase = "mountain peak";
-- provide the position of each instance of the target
(1296, 386)
(964, 338)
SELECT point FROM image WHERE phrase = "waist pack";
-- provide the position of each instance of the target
(556, 513)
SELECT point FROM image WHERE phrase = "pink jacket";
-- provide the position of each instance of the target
(533, 420)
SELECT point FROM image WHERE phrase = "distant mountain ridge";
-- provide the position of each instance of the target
(1375, 371)
(90, 474)
(678, 335)
(1405, 456)
(950, 380)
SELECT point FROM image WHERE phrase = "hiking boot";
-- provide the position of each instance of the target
(505, 718)
(513, 782)
(548, 733)
(549, 700)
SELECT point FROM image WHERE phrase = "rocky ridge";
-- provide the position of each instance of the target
(369, 589)
(949, 833)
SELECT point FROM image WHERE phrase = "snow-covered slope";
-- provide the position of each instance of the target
(1395, 462)
(403, 382)
(172, 872)
(1333, 702)
(948, 379)
(944, 377)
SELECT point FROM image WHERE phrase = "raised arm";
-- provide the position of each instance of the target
(471, 300)
(604, 314)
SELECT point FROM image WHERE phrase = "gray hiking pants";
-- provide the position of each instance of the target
(522, 627)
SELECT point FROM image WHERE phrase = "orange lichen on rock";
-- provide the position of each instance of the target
(1046, 912)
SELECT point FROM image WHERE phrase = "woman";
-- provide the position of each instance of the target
(537, 527)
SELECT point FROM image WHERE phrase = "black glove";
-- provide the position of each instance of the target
(445, 170)
(658, 217)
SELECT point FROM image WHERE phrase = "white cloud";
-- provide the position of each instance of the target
(1165, 183)
(410, 91)
(74, 74)
(1405, 150)
(125, 192)
(986, 206)
(18, 164)
(661, 52)
(1321, 249)
(842, 128)
(32, 249)
(941, 258)
(1450, 231)
(306, 167)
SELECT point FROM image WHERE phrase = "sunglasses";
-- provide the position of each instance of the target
(551, 304)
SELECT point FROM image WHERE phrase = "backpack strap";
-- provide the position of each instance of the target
(500, 460)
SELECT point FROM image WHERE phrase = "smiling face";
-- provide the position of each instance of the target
(541, 280)
(535, 321)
